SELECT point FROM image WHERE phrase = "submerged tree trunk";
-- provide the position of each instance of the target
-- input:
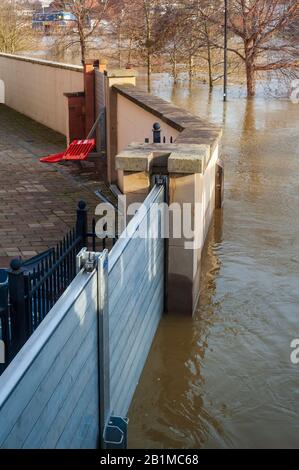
(249, 67)
(149, 71)
(211, 83)
(130, 53)
(209, 53)
(191, 66)
(250, 78)
(148, 43)
(119, 49)
(174, 66)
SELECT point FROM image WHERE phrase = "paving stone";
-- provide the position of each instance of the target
(38, 202)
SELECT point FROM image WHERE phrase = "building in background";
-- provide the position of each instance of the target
(47, 20)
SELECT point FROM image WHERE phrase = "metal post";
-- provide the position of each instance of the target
(113, 429)
(4, 313)
(225, 49)
(17, 297)
(82, 223)
(163, 180)
(104, 360)
(157, 133)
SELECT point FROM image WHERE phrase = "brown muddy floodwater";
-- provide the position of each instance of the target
(224, 379)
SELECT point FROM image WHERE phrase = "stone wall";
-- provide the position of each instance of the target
(190, 163)
(36, 87)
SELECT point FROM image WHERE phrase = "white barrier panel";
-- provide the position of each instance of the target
(72, 383)
(49, 393)
(136, 301)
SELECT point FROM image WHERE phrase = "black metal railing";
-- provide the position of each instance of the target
(34, 286)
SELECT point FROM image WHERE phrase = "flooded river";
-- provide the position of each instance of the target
(224, 379)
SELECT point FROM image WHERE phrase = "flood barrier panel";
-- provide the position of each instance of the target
(72, 383)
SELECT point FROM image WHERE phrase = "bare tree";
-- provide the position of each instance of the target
(89, 16)
(261, 25)
(210, 34)
(191, 31)
(263, 36)
(202, 32)
(139, 27)
(16, 33)
(190, 13)
(148, 42)
(123, 22)
(171, 26)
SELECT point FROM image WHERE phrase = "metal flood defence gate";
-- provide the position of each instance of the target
(72, 383)
(100, 107)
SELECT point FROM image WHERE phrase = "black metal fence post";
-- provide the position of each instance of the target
(18, 296)
(82, 223)
(4, 309)
(4, 313)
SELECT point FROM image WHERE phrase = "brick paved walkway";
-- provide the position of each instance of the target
(37, 201)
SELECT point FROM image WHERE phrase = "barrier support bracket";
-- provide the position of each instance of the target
(116, 433)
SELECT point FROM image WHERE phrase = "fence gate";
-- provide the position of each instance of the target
(100, 105)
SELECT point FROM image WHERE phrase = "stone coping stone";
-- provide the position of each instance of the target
(193, 130)
(178, 158)
(120, 73)
(47, 63)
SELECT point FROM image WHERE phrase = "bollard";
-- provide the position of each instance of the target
(157, 133)
(17, 297)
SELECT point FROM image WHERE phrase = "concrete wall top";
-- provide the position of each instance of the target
(194, 145)
(48, 63)
(194, 129)
(120, 73)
